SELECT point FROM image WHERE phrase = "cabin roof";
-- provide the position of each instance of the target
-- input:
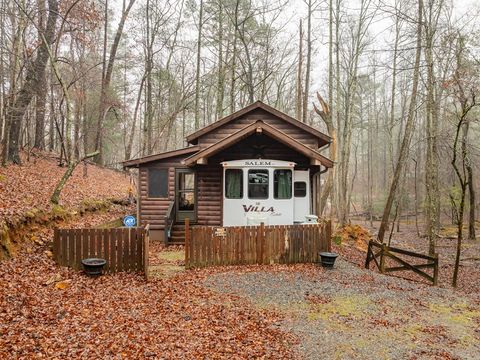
(192, 138)
(196, 154)
(201, 156)
(154, 157)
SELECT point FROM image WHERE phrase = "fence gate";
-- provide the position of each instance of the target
(384, 252)
(124, 249)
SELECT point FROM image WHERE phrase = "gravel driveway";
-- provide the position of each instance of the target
(352, 313)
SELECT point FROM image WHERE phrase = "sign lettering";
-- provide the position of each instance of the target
(221, 232)
(256, 208)
(258, 163)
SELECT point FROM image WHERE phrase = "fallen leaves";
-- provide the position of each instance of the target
(469, 271)
(48, 311)
(62, 285)
(353, 235)
(25, 190)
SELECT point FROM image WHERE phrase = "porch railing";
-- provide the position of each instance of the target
(169, 221)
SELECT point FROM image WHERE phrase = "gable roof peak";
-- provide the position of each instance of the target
(253, 106)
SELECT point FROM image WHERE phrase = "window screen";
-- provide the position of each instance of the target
(234, 183)
(282, 184)
(258, 184)
(157, 183)
(300, 189)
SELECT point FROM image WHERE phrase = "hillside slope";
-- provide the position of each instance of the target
(25, 193)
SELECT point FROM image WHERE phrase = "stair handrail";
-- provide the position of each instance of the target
(169, 220)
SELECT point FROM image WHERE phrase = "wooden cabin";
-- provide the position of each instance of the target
(255, 165)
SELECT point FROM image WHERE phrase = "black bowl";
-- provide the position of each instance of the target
(93, 266)
(328, 259)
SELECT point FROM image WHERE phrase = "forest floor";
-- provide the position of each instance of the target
(353, 313)
(274, 312)
(27, 188)
(446, 246)
(244, 312)
(26, 213)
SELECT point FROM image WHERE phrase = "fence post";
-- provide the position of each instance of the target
(329, 235)
(187, 242)
(367, 261)
(146, 239)
(382, 258)
(435, 270)
(56, 245)
(261, 241)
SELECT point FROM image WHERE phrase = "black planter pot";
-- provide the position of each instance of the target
(93, 266)
(328, 259)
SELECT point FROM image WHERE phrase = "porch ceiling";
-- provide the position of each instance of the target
(201, 157)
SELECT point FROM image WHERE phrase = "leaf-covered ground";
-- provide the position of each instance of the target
(52, 312)
(352, 313)
(275, 312)
(408, 239)
(29, 186)
(122, 316)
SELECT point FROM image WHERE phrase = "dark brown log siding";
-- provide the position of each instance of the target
(209, 198)
(209, 177)
(259, 114)
(152, 210)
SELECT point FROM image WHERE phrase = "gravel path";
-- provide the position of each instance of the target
(352, 313)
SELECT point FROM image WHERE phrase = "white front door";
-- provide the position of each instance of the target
(301, 194)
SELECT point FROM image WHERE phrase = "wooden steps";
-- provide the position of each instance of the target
(177, 234)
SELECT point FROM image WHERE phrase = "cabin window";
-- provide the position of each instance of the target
(186, 191)
(300, 189)
(258, 184)
(282, 184)
(157, 183)
(234, 183)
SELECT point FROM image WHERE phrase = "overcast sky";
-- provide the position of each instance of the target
(380, 30)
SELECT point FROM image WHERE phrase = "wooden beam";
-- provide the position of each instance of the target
(325, 139)
(164, 155)
(267, 129)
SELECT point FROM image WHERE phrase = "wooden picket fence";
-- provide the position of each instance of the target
(242, 245)
(124, 249)
(382, 252)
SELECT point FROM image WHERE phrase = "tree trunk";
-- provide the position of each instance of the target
(221, 74)
(409, 127)
(103, 108)
(299, 97)
(55, 198)
(326, 116)
(41, 91)
(197, 74)
(308, 64)
(34, 75)
(431, 167)
(471, 198)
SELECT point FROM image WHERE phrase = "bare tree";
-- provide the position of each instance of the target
(107, 78)
(35, 73)
(409, 127)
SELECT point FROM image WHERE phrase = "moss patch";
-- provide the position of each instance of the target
(111, 224)
(88, 205)
(353, 306)
(171, 255)
(7, 249)
(456, 314)
(165, 270)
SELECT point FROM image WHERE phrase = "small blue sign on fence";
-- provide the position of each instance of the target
(129, 221)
